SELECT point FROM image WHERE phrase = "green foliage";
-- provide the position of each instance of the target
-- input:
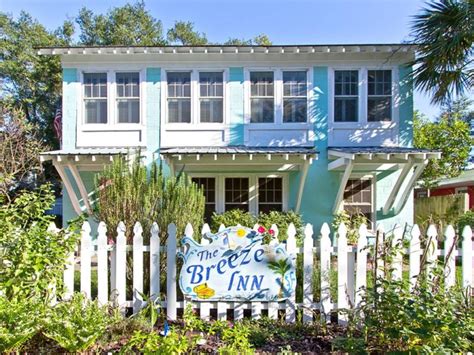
(191, 321)
(31, 83)
(352, 223)
(452, 138)
(32, 257)
(444, 34)
(131, 24)
(236, 339)
(232, 218)
(467, 219)
(127, 192)
(260, 40)
(77, 324)
(184, 33)
(246, 219)
(19, 321)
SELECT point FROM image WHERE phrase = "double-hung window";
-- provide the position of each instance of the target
(208, 184)
(294, 96)
(211, 97)
(346, 95)
(270, 194)
(237, 194)
(262, 103)
(128, 97)
(179, 97)
(95, 98)
(379, 99)
(358, 198)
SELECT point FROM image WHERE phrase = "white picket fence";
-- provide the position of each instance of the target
(351, 263)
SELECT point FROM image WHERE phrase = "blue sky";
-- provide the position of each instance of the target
(295, 21)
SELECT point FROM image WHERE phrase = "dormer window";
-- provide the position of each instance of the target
(294, 96)
(211, 97)
(128, 97)
(379, 100)
(346, 95)
(95, 98)
(179, 97)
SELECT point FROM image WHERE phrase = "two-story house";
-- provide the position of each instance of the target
(309, 128)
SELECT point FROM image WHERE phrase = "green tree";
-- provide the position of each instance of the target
(184, 33)
(451, 137)
(31, 83)
(260, 40)
(444, 33)
(130, 24)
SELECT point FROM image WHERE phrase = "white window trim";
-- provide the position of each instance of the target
(363, 97)
(278, 99)
(461, 190)
(195, 124)
(253, 188)
(373, 179)
(112, 119)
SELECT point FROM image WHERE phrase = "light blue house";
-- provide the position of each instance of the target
(310, 128)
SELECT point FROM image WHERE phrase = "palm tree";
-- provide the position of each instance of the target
(280, 267)
(444, 34)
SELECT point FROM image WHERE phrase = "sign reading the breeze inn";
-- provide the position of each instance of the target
(236, 266)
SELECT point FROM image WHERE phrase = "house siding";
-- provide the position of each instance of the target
(153, 109)
(70, 92)
(405, 74)
(236, 87)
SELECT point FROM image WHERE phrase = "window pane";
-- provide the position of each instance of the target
(211, 84)
(379, 82)
(95, 84)
(346, 82)
(262, 110)
(128, 111)
(96, 111)
(379, 109)
(179, 84)
(128, 84)
(294, 83)
(236, 193)
(294, 110)
(358, 198)
(270, 195)
(345, 109)
(212, 110)
(209, 188)
(179, 110)
(261, 84)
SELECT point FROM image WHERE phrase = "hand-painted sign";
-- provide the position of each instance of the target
(236, 266)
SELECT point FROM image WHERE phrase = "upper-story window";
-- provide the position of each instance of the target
(379, 99)
(262, 97)
(211, 97)
(128, 97)
(294, 96)
(346, 95)
(95, 97)
(179, 97)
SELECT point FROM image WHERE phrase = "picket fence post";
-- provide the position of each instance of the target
(449, 257)
(414, 256)
(68, 276)
(361, 271)
(342, 299)
(467, 262)
(171, 273)
(154, 262)
(308, 260)
(205, 229)
(325, 260)
(102, 264)
(291, 250)
(431, 249)
(86, 259)
(272, 306)
(121, 266)
(137, 267)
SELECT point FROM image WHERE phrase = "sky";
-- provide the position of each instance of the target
(285, 22)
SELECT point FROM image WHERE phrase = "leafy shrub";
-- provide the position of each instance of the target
(467, 219)
(352, 222)
(127, 192)
(246, 219)
(76, 324)
(236, 339)
(18, 322)
(31, 257)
